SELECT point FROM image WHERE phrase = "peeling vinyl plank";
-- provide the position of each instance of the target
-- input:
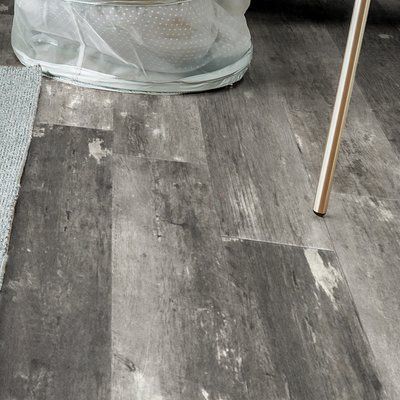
(162, 127)
(69, 105)
(55, 302)
(366, 234)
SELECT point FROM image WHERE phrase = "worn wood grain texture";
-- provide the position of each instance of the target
(378, 73)
(366, 234)
(7, 56)
(301, 313)
(261, 186)
(69, 105)
(170, 290)
(55, 304)
(131, 293)
(194, 318)
(162, 127)
(305, 62)
(7, 7)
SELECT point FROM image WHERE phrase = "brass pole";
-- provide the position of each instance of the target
(346, 83)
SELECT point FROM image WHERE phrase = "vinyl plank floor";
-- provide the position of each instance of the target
(301, 314)
(7, 56)
(262, 188)
(55, 303)
(305, 62)
(366, 234)
(196, 317)
(160, 127)
(169, 285)
(378, 73)
(165, 247)
(7, 7)
(68, 105)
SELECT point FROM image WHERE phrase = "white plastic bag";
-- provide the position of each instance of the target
(136, 45)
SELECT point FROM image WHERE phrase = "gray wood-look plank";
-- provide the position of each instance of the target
(193, 318)
(261, 186)
(55, 303)
(301, 314)
(170, 290)
(305, 62)
(7, 56)
(69, 105)
(378, 73)
(7, 7)
(162, 127)
(119, 283)
(366, 234)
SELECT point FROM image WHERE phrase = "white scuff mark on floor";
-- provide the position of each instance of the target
(326, 277)
(229, 239)
(75, 101)
(97, 151)
(221, 352)
(38, 132)
(3, 8)
(248, 94)
(385, 36)
(49, 89)
(299, 141)
(146, 388)
(123, 114)
(205, 394)
(160, 132)
(384, 213)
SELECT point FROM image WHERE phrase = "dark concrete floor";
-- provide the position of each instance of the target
(164, 248)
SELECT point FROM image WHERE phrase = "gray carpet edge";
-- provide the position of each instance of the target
(19, 95)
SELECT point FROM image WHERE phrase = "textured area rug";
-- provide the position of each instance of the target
(19, 92)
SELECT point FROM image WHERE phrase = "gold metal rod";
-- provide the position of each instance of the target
(346, 83)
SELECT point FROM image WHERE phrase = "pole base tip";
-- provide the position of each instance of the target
(322, 215)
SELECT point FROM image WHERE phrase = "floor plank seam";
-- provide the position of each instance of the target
(342, 270)
(226, 238)
(156, 159)
(39, 124)
(365, 196)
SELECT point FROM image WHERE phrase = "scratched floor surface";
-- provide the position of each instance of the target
(164, 248)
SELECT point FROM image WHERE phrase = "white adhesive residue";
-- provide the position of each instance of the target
(97, 151)
(326, 277)
(205, 394)
(386, 214)
(146, 388)
(38, 132)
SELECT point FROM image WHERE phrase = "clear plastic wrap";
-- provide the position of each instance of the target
(163, 46)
